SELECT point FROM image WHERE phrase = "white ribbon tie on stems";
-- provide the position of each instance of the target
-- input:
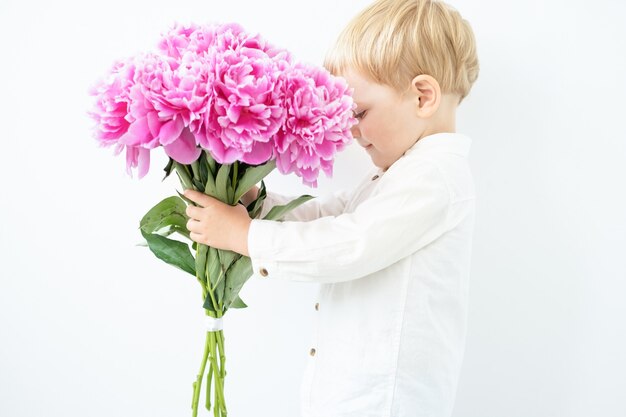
(213, 324)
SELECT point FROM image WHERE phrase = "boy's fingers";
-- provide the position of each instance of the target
(196, 237)
(192, 211)
(192, 225)
(197, 197)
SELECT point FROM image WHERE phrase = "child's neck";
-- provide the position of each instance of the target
(444, 119)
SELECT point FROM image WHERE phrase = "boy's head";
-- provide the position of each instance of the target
(411, 63)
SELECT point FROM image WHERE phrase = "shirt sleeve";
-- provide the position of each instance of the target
(407, 211)
(328, 205)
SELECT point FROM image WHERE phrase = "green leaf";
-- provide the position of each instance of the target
(218, 264)
(258, 203)
(171, 251)
(221, 278)
(227, 257)
(238, 274)
(238, 303)
(181, 231)
(203, 168)
(169, 212)
(277, 212)
(183, 174)
(211, 164)
(201, 260)
(209, 186)
(208, 303)
(168, 168)
(198, 185)
(170, 230)
(214, 269)
(252, 176)
(221, 183)
(230, 193)
(189, 202)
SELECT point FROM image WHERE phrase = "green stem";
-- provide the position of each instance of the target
(214, 342)
(209, 378)
(216, 402)
(222, 356)
(220, 342)
(198, 384)
(219, 408)
(219, 403)
(222, 370)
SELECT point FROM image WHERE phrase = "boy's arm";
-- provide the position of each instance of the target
(329, 205)
(409, 212)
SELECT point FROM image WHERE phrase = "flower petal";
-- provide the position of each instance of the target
(138, 133)
(143, 162)
(184, 149)
(171, 130)
(154, 124)
(261, 153)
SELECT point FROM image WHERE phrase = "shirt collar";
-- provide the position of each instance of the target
(448, 142)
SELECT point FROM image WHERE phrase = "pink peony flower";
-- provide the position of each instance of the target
(202, 40)
(112, 101)
(246, 109)
(230, 92)
(163, 105)
(319, 118)
(111, 110)
(176, 40)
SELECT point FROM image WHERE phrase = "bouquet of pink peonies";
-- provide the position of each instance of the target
(228, 108)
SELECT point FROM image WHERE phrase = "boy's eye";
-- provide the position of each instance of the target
(360, 115)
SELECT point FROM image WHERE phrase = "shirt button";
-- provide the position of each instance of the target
(317, 306)
(263, 272)
(374, 177)
(312, 352)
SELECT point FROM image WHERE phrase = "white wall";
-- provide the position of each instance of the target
(92, 325)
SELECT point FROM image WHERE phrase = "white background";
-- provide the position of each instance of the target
(92, 325)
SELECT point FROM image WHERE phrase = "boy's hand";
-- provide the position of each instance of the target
(217, 224)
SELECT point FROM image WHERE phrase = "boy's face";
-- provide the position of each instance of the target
(388, 122)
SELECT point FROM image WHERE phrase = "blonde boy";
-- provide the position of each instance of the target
(392, 257)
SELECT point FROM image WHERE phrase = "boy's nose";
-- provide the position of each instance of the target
(356, 133)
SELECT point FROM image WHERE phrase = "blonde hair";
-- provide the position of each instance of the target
(393, 41)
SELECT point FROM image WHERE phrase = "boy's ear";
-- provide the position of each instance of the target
(427, 95)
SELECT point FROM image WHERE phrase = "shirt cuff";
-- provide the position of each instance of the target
(261, 248)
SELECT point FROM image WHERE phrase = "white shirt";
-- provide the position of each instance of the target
(392, 259)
